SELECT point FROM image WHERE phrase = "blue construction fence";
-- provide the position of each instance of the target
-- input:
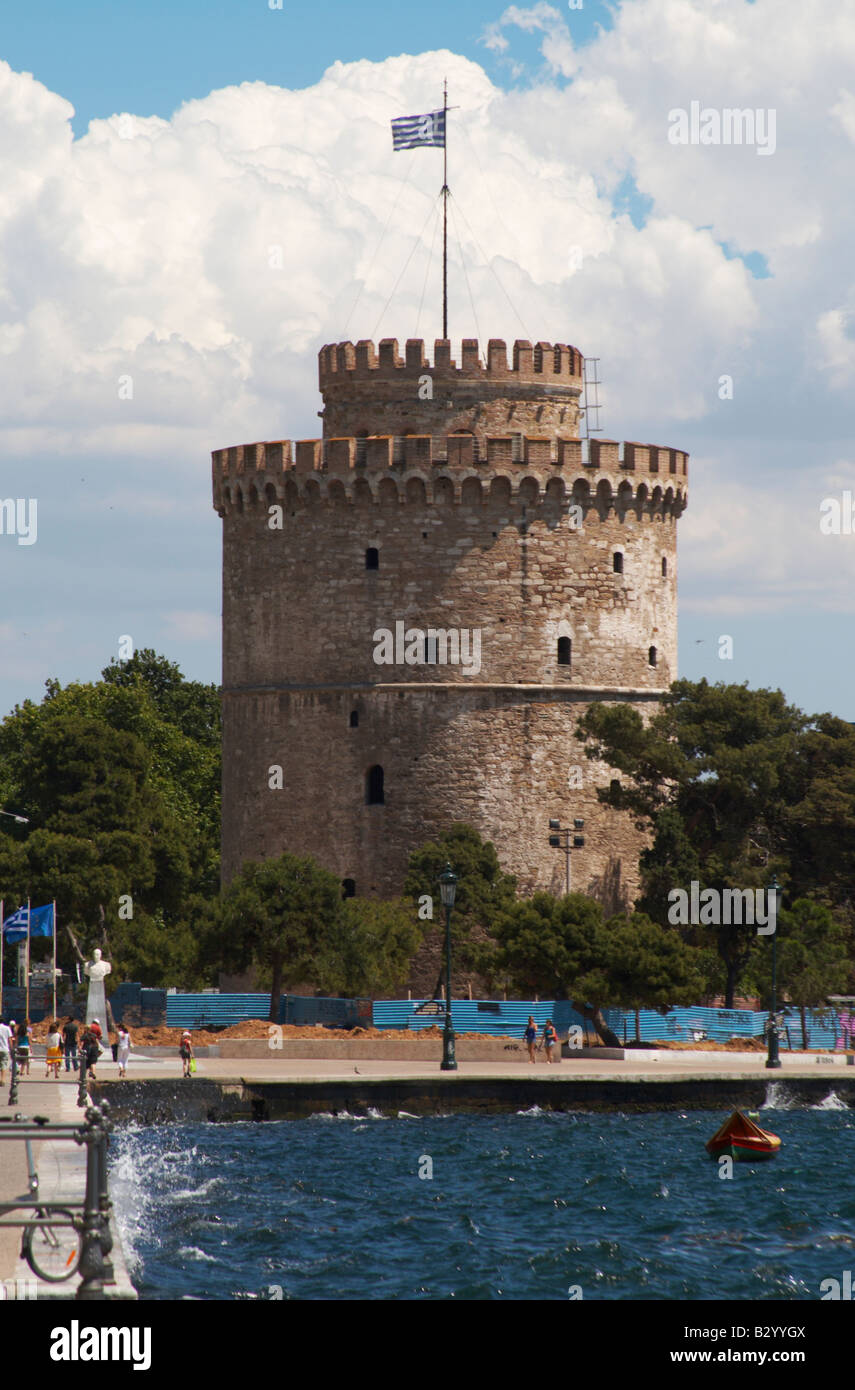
(825, 1028)
(153, 1007)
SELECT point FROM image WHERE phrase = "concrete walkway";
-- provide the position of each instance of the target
(61, 1168)
(643, 1065)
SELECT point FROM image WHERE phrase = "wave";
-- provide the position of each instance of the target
(778, 1097)
(831, 1102)
(192, 1252)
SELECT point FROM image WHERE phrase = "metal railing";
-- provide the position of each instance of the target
(89, 1217)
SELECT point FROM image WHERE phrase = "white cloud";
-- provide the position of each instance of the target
(207, 257)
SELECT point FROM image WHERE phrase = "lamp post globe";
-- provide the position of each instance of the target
(447, 892)
(775, 897)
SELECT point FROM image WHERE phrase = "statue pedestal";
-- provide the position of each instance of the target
(96, 1003)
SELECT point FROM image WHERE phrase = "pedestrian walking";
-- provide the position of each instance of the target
(186, 1051)
(5, 1047)
(530, 1037)
(69, 1038)
(550, 1038)
(22, 1044)
(54, 1050)
(123, 1050)
(91, 1049)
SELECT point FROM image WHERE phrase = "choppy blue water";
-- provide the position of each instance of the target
(519, 1207)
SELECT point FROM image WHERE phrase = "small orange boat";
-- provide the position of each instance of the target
(740, 1139)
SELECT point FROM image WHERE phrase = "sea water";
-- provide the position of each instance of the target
(530, 1205)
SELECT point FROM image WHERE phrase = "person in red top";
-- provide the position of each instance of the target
(95, 1027)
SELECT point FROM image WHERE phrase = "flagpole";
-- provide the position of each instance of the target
(54, 957)
(445, 209)
(27, 1008)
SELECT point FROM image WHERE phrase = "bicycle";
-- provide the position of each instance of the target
(51, 1243)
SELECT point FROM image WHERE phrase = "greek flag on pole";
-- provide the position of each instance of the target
(41, 924)
(409, 131)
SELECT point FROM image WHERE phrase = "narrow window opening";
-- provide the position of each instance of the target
(615, 784)
(564, 650)
(374, 794)
(372, 558)
(354, 719)
(617, 562)
(664, 567)
(651, 656)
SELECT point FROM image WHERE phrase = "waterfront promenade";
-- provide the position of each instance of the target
(61, 1168)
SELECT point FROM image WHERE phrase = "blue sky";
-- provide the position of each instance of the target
(137, 248)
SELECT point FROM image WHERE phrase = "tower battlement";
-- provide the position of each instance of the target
(539, 364)
(383, 466)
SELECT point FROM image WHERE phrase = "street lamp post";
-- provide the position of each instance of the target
(773, 1060)
(562, 837)
(447, 890)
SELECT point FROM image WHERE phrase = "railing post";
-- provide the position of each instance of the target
(91, 1255)
(104, 1203)
(13, 1084)
(83, 1083)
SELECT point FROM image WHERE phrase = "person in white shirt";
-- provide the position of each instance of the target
(5, 1048)
(123, 1050)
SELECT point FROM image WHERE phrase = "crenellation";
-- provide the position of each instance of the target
(309, 455)
(348, 456)
(550, 360)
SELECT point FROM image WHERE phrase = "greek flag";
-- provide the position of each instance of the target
(41, 924)
(409, 131)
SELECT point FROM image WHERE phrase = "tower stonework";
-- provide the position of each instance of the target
(455, 499)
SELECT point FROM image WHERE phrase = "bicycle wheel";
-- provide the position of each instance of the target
(52, 1252)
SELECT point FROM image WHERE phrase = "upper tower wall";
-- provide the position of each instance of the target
(375, 390)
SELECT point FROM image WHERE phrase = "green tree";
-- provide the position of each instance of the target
(123, 808)
(561, 947)
(484, 893)
(648, 966)
(813, 957)
(557, 947)
(708, 779)
(370, 949)
(284, 915)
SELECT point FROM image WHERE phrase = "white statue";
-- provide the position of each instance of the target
(97, 968)
(96, 1003)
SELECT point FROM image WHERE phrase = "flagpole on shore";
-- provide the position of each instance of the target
(54, 958)
(27, 1008)
(445, 208)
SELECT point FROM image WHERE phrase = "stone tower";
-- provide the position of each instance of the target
(418, 607)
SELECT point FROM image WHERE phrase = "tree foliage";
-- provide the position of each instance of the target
(119, 780)
(732, 784)
(284, 915)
